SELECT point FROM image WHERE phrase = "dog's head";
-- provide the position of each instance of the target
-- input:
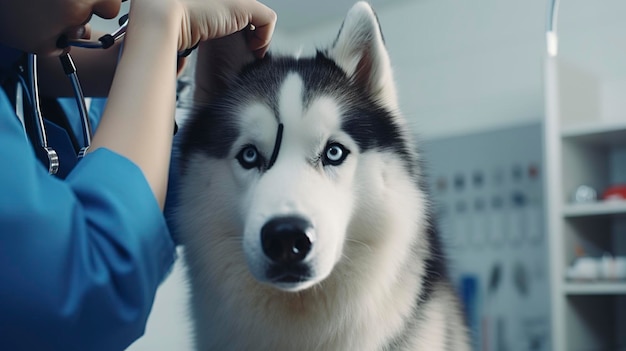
(289, 162)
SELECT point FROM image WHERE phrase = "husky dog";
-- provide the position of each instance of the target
(301, 207)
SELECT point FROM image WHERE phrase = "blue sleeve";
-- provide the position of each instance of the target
(80, 258)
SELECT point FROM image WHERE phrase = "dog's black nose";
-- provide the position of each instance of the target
(287, 239)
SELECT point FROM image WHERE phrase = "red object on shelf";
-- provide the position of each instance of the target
(615, 192)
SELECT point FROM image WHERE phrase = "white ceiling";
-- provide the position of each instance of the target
(296, 15)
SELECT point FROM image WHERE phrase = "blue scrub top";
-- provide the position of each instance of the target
(80, 257)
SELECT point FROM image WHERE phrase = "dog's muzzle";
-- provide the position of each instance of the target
(286, 242)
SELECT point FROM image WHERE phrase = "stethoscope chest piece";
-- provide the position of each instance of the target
(53, 160)
(31, 84)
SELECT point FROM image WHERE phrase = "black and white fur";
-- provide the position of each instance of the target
(319, 238)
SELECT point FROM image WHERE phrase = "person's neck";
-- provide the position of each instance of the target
(8, 56)
(9, 60)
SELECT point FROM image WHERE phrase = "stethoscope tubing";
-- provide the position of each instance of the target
(104, 42)
(70, 71)
(53, 157)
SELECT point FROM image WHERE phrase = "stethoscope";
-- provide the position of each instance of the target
(30, 82)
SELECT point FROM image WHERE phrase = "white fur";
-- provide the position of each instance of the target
(360, 303)
(285, 189)
(369, 221)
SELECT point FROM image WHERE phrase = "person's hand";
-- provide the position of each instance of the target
(202, 20)
(211, 19)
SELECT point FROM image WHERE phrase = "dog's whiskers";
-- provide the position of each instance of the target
(369, 248)
(346, 257)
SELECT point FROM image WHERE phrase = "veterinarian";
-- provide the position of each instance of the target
(82, 252)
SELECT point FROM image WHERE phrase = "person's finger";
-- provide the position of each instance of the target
(107, 9)
(87, 32)
(259, 35)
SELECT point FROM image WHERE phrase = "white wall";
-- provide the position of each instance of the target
(464, 66)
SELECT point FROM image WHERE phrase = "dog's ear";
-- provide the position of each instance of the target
(217, 63)
(360, 51)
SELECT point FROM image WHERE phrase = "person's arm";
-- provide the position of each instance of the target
(137, 122)
(80, 259)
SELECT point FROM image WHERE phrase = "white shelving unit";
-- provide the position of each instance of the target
(594, 209)
(579, 147)
(595, 288)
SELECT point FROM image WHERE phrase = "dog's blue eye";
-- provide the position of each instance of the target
(334, 154)
(249, 157)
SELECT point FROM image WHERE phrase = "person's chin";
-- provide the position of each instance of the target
(47, 48)
(51, 51)
(50, 47)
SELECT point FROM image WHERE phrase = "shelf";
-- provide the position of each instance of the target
(596, 288)
(583, 137)
(595, 209)
(596, 133)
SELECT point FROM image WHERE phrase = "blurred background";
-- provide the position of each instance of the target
(526, 154)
